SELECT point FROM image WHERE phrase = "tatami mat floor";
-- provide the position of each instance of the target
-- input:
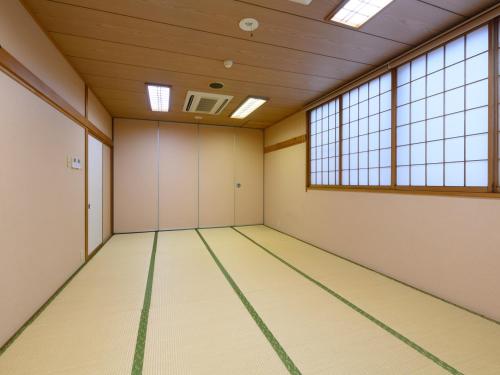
(248, 300)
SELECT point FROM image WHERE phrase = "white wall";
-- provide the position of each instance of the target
(448, 246)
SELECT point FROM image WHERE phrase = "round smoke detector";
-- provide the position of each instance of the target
(249, 24)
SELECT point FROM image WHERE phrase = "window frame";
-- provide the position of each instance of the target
(493, 188)
(494, 103)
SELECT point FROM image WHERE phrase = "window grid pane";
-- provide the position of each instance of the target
(324, 144)
(442, 124)
(366, 134)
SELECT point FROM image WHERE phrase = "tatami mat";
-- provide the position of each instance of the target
(197, 324)
(91, 327)
(468, 342)
(321, 334)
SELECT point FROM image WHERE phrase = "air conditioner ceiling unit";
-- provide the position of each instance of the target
(206, 103)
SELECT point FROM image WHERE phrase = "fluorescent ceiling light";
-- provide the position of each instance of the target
(159, 97)
(355, 13)
(303, 2)
(248, 106)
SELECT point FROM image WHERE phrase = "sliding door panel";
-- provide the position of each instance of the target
(94, 188)
(249, 170)
(135, 175)
(216, 189)
(106, 192)
(178, 176)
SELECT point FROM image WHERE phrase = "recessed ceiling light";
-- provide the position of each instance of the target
(159, 97)
(355, 13)
(248, 106)
(216, 85)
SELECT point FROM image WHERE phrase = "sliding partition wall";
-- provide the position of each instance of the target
(173, 176)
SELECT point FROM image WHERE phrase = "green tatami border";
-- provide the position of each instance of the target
(140, 344)
(42, 308)
(280, 351)
(377, 272)
(365, 314)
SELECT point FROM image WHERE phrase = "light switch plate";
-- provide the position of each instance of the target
(76, 163)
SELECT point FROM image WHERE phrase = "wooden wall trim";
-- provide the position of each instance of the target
(285, 144)
(13, 68)
(472, 23)
(475, 193)
(86, 199)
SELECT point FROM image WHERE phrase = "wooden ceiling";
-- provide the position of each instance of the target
(294, 57)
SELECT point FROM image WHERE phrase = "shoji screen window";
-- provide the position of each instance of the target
(324, 144)
(366, 134)
(442, 115)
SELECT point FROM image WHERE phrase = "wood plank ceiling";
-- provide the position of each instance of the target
(294, 57)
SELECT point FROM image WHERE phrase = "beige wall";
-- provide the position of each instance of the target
(23, 38)
(41, 203)
(42, 200)
(191, 171)
(135, 175)
(448, 246)
(98, 115)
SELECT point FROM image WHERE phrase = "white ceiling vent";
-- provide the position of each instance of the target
(207, 103)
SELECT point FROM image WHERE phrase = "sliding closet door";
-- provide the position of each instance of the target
(216, 192)
(94, 186)
(178, 176)
(249, 170)
(107, 162)
(135, 175)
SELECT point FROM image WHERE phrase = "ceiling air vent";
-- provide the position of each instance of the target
(204, 102)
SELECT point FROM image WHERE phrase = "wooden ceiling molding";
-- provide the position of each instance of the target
(295, 56)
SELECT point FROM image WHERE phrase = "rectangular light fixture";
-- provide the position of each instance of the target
(355, 13)
(159, 97)
(303, 2)
(248, 106)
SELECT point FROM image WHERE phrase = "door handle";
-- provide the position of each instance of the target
(238, 185)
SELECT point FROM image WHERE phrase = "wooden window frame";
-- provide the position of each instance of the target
(490, 191)
(494, 103)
